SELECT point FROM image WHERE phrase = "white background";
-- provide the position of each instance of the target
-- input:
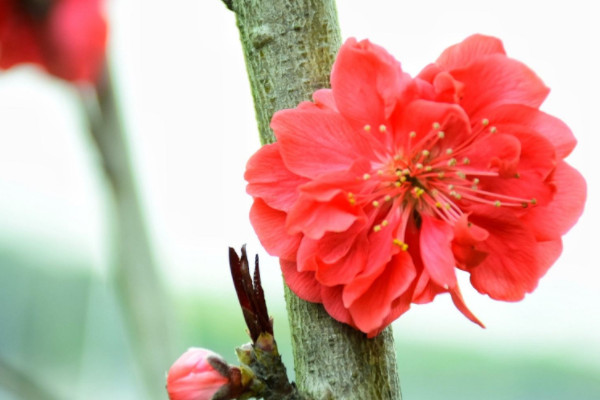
(190, 116)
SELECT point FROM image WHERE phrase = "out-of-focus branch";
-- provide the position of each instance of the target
(136, 276)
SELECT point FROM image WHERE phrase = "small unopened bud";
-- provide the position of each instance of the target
(197, 375)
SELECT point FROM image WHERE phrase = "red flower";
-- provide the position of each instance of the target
(66, 37)
(378, 190)
(197, 375)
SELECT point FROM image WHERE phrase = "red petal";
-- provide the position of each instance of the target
(458, 301)
(269, 225)
(347, 268)
(269, 179)
(335, 245)
(303, 284)
(371, 309)
(510, 270)
(324, 99)
(548, 253)
(315, 141)
(513, 117)
(469, 50)
(314, 218)
(556, 218)
(366, 82)
(436, 250)
(496, 80)
(332, 301)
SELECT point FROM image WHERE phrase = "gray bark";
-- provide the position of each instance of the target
(289, 47)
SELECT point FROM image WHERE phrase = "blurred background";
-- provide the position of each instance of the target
(186, 103)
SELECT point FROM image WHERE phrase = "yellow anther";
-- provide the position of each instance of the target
(387, 197)
(466, 161)
(441, 134)
(366, 176)
(493, 129)
(375, 203)
(384, 222)
(397, 157)
(379, 172)
(461, 175)
(412, 134)
(517, 175)
(428, 168)
(425, 153)
(441, 174)
(438, 204)
(533, 201)
(376, 228)
(436, 125)
(367, 127)
(400, 244)
(450, 187)
(476, 181)
(399, 173)
(449, 151)
(418, 191)
(397, 184)
(382, 128)
(447, 206)
(402, 179)
(452, 162)
(351, 198)
(485, 121)
(419, 166)
(497, 203)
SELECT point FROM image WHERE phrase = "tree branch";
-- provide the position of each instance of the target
(289, 47)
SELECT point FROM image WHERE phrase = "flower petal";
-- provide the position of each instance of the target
(316, 141)
(332, 301)
(510, 270)
(469, 50)
(269, 225)
(367, 82)
(556, 218)
(269, 179)
(303, 284)
(495, 80)
(436, 250)
(370, 310)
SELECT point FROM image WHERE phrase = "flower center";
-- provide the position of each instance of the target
(426, 176)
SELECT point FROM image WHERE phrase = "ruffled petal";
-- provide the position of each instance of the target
(269, 179)
(515, 117)
(553, 220)
(370, 310)
(495, 80)
(469, 50)
(332, 301)
(316, 141)
(510, 269)
(367, 82)
(269, 225)
(436, 250)
(458, 301)
(303, 284)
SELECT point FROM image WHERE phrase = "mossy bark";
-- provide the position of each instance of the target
(289, 47)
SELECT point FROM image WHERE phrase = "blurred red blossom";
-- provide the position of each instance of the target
(65, 37)
(375, 192)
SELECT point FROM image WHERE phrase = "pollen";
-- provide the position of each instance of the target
(428, 168)
(485, 122)
(400, 244)
(425, 153)
(438, 204)
(384, 222)
(366, 177)
(367, 127)
(449, 151)
(376, 228)
(497, 203)
(382, 128)
(533, 201)
(375, 203)
(398, 184)
(419, 166)
(351, 198)
(387, 197)
(418, 191)
(380, 172)
(436, 125)
(493, 129)
(452, 162)
(441, 134)
(412, 134)
(441, 174)
(466, 161)
(461, 175)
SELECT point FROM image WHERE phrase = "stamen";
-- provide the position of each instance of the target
(400, 244)
(367, 128)
(436, 125)
(376, 228)
(375, 203)
(441, 134)
(382, 128)
(493, 129)
(485, 122)
(412, 134)
(366, 177)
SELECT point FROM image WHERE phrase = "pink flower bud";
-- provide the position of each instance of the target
(197, 375)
